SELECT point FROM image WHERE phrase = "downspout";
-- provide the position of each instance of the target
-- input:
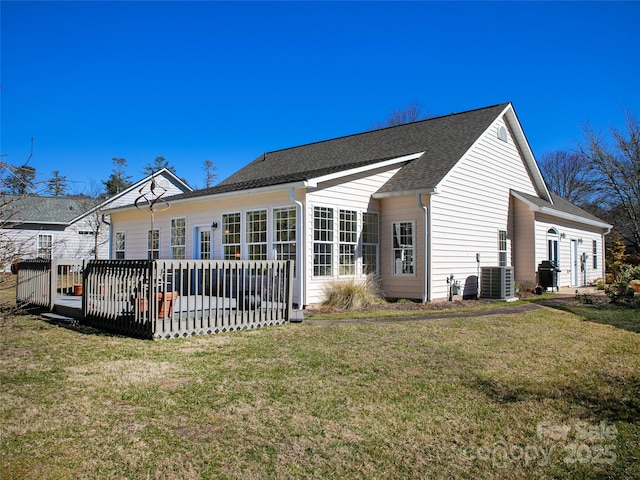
(299, 251)
(102, 218)
(426, 280)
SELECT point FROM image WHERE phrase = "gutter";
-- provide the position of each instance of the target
(426, 280)
(299, 251)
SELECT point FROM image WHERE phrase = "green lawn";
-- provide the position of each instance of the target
(537, 395)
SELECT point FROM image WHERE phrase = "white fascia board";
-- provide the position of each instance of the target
(314, 182)
(404, 193)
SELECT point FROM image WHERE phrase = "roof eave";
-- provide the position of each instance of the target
(404, 193)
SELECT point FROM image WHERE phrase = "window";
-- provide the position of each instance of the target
(552, 245)
(594, 250)
(370, 243)
(348, 240)
(257, 234)
(231, 236)
(44, 246)
(403, 248)
(178, 238)
(502, 248)
(120, 245)
(153, 244)
(284, 234)
(322, 241)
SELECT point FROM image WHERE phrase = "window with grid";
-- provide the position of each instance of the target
(153, 243)
(178, 238)
(284, 234)
(370, 240)
(322, 241)
(403, 248)
(44, 246)
(205, 244)
(231, 236)
(552, 245)
(120, 245)
(502, 248)
(348, 234)
(256, 234)
(594, 250)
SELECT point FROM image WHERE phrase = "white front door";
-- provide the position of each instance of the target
(204, 243)
(574, 263)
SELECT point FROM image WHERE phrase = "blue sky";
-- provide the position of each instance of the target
(227, 81)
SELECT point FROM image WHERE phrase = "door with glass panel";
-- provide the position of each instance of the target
(204, 243)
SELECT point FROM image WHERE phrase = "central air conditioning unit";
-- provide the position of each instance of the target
(497, 283)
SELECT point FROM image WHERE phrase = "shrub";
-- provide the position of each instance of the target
(352, 294)
(621, 290)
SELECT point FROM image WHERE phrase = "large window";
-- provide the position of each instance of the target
(594, 253)
(178, 238)
(502, 248)
(120, 245)
(348, 240)
(552, 245)
(370, 242)
(44, 246)
(256, 233)
(284, 234)
(231, 236)
(403, 248)
(322, 241)
(153, 243)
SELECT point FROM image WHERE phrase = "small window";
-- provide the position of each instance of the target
(284, 234)
(502, 248)
(44, 246)
(348, 241)
(120, 245)
(594, 251)
(403, 248)
(370, 243)
(256, 233)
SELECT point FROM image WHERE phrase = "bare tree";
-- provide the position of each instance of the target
(411, 113)
(210, 175)
(567, 174)
(614, 161)
(19, 180)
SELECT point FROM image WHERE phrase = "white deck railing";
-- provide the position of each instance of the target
(41, 281)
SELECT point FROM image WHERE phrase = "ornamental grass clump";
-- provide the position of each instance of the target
(352, 294)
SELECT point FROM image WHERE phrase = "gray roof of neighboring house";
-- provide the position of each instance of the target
(36, 209)
(559, 204)
(443, 139)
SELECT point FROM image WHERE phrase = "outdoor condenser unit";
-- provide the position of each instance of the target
(496, 282)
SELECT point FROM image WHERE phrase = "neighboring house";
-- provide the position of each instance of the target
(32, 226)
(413, 204)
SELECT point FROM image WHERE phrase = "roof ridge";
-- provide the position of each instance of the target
(263, 156)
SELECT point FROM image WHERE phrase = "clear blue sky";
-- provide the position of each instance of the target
(191, 81)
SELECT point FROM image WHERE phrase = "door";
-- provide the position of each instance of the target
(204, 244)
(575, 268)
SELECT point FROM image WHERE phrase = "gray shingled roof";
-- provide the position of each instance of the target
(36, 209)
(444, 139)
(561, 205)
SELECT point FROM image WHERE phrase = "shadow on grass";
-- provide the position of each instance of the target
(605, 397)
(625, 318)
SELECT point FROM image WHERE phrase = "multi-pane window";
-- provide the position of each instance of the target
(284, 234)
(322, 241)
(552, 245)
(178, 238)
(370, 242)
(44, 246)
(231, 236)
(594, 253)
(256, 234)
(403, 248)
(502, 248)
(153, 243)
(120, 245)
(205, 244)
(348, 234)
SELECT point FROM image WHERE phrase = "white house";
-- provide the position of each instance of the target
(422, 206)
(33, 226)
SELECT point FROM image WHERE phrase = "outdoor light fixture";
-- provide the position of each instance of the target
(563, 235)
(214, 224)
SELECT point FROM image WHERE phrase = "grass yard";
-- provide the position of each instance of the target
(541, 394)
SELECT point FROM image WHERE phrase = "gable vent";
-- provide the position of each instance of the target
(502, 133)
